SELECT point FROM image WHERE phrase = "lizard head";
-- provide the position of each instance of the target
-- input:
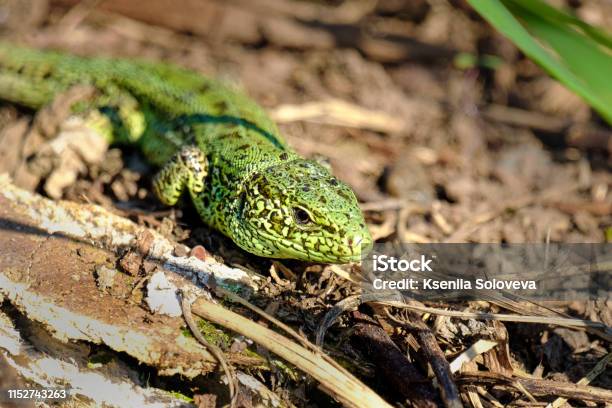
(298, 210)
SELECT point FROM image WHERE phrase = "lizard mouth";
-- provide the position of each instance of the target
(351, 250)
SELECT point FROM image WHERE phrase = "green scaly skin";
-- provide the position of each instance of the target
(209, 140)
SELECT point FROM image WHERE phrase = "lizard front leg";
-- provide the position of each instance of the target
(187, 169)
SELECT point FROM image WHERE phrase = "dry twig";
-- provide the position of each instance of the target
(537, 387)
(435, 357)
(214, 350)
(599, 368)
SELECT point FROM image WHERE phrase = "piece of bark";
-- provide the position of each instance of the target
(435, 357)
(392, 365)
(48, 270)
(113, 384)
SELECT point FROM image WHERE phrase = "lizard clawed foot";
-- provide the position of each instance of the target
(186, 169)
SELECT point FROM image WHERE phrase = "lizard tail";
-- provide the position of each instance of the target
(32, 78)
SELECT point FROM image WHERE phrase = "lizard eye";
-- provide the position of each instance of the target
(301, 216)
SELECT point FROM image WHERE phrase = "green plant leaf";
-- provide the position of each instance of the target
(548, 12)
(572, 51)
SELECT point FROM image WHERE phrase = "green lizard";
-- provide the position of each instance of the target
(209, 140)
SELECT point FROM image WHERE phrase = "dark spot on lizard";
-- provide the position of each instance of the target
(333, 182)
(284, 156)
(241, 202)
(205, 200)
(265, 192)
(343, 195)
(329, 229)
(221, 105)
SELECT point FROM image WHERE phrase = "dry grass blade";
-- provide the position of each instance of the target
(335, 381)
(339, 113)
(77, 14)
(560, 321)
(471, 353)
(474, 398)
(235, 298)
(600, 329)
